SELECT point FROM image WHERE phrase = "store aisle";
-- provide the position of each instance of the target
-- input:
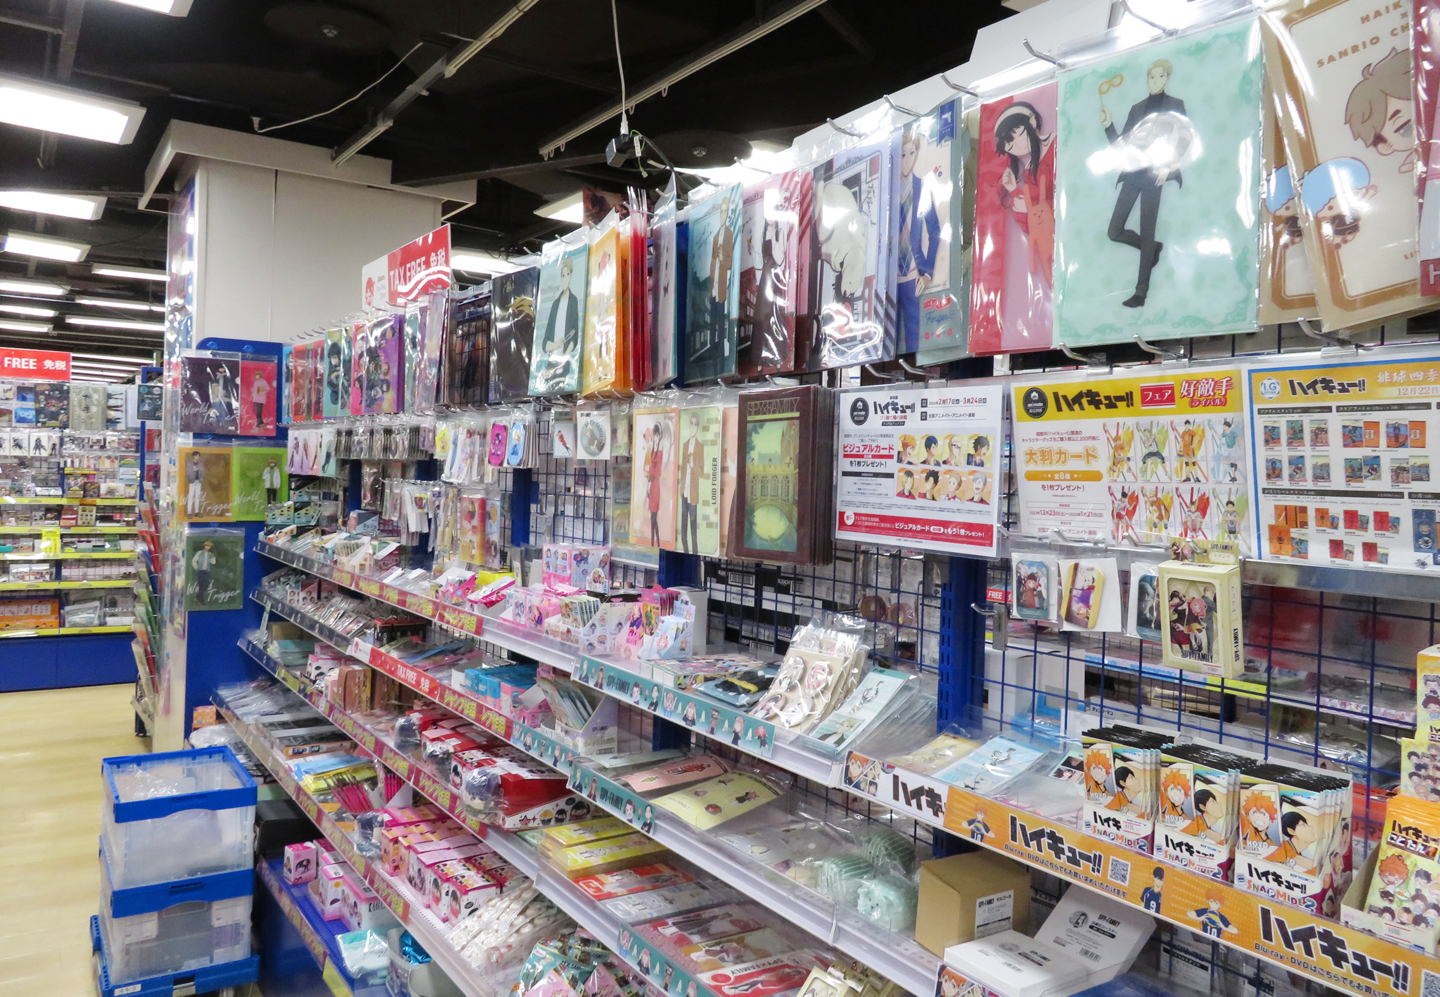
(51, 743)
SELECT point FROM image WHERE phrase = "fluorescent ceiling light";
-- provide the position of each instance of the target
(45, 247)
(16, 325)
(105, 270)
(115, 323)
(27, 310)
(17, 285)
(175, 8)
(31, 104)
(80, 206)
(567, 209)
(479, 261)
(129, 306)
(98, 368)
(136, 361)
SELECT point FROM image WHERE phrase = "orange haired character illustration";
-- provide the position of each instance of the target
(1097, 773)
(1212, 922)
(1393, 871)
(1258, 811)
(1174, 791)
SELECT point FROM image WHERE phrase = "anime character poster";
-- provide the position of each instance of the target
(729, 457)
(347, 347)
(1425, 34)
(257, 402)
(1349, 131)
(713, 288)
(512, 305)
(1287, 284)
(848, 252)
(209, 394)
(205, 484)
(665, 285)
(214, 569)
(87, 407)
(652, 503)
(560, 318)
(774, 250)
(258, 481)
(602, 314)
(1012, 291)
(931, 296)
(411, 343)
(330, 396)
(434, 316)
(359, 346)
(699, 480)
(391, 352)
(1156, 227)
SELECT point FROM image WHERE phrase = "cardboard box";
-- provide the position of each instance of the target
(970, 896)
(1201, 628)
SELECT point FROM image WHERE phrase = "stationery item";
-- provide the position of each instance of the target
(775, 249)
(1011, 294)
(720, 953)
(1426, 72)
(1090, 594)
(668, 283)
(762, 978)
(988, 768)
(784, 499)
(1145, 619)
(87, 407)
(701, 926)
(1203, 629)
(698, 486)
(850, 275)
(861, 708)
(932, 288)
(560, 320)
(209, 395)
(1287, 282)
(205, 484)
(1156, 168)
(676, 773)
(718, 800)
(602, 309)
(713, 295)
(653, 507)
(258, 393)
(1358, 214)
(1034, 587)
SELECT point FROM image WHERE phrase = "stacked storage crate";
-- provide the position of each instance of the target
(177, 846)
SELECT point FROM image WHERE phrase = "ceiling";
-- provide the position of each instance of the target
(241, 64)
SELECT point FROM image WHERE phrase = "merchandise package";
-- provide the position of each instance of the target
(850, 275)
(1203, 629)
(1287, 284)
(434, 319)
(560, 317)
(1405, 888)
(712, 311)
(1011, 292)
(1427, 694)
(1144, 619)
(872, 698)
(783, 490)
(729, 464)
(388, 390)
(699, 927)
(257, 396)
(206, 483)
(1198, 821)
(775, 248)
(718, 800)
(87, 407)
(467, 352)
(412, 338)
(653, 509)
(1156, 167)
(1035, 587)
(985, 770)
(1090, 597)
(1295, 835)
(330, 399)
(1424, 37)
(209, 395)
(600, 351)
(1359, 212)
(667, 290)
(932, 236)
(635, 345)
(592, 432)
(699, 481)
(1122, 784)
(359, 340)
(823, 665)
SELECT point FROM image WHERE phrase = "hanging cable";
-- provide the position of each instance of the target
(620, 64)
(350, 100)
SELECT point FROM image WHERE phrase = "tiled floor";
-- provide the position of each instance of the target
(51, 744)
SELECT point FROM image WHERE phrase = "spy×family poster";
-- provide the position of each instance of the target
(1158, 173)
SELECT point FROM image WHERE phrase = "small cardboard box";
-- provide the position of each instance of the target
(970, 896)
(1201, 628)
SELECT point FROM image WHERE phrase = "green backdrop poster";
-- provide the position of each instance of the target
(260, 479)
(1158, 178)
(214, 569)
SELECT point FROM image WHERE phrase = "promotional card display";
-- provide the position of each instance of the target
(602, 308)
(1157, 173)
(1012, 287)
(1287, 284)
(774, 271)
(1425, 36)
(1345, 453)
(850, 273)
(1122, 784)
(653, 507)
(210, 394)
(783, 482)
(1349, 129)
(1202, 629)
(560, 318)
(919, 467)
(931, 281)
(1198, 822)
(258, 392)
(712, 316)
(1294, 836)
(1134, 460)
(699, 481)
(513, 321)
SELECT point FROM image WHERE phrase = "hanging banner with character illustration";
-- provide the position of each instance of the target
(1134, 460)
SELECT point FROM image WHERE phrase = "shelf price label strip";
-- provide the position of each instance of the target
(308, 934)
(732, 727)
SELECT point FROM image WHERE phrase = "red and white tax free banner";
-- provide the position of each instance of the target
(43, 365)
(407, 273)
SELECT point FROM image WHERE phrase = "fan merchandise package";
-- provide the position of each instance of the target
(1122, 783)
(1404, 894)
(1202, 630)
(1295, 836)
(1427, 695)
(1199, 816)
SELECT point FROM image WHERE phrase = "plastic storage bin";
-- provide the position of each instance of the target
(175, 927)
(177, 815)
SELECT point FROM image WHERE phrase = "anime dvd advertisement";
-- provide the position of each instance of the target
(1156, 226)
(1012, 289)
(1134, 460)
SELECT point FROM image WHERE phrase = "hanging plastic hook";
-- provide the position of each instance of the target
(1143, 19)
(1328, 338)
(955, 86)
(1092, 360)
(983, 610)
(903, 110)
(1177, 353)
(884, 375)
(842, 129)
(1043, 56)
(914, 370)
